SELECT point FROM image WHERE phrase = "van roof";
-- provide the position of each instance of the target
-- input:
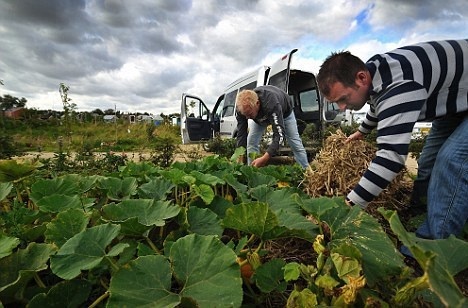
(248, 78)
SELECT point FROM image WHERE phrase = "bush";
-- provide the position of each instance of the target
(165, 140)
(416, 146)
(222, 147)
(7, 148)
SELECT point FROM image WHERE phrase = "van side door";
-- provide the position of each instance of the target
(279, 72)
(195, 122)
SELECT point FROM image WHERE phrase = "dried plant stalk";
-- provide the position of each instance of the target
(338, 167)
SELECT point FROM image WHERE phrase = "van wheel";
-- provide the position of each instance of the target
(206, 146)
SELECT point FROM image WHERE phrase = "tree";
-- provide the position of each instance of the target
(109, 111)
(69, 109)
(98, 111)
(9, 102)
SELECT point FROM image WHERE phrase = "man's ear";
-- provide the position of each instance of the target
(362, 78)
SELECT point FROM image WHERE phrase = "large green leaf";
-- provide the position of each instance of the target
(145, 282)
(176, 176)
(7, 244)
(131, 227)
(58, 203)
(148, 211)
(204, 222)
(119, 189)
(5, 189)
(380, 258)
(140, 170)
(255, 178)
(83, 251)
(219, 205)
(232, 181)
(318, 206)
(19, 267)
(65, 226)
(203, 191)
(207, 271)
(68, 185)
(12, 170)
(286, 204)
(206, 178)
(255, 218)
(441, 259)
(156, 189)
(73, 293)
(270, 276)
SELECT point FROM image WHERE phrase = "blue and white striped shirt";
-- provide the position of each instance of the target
(409, 84)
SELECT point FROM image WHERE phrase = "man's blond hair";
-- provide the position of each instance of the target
(246, 98)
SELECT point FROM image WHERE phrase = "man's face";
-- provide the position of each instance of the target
(353, 98)
(251, 112)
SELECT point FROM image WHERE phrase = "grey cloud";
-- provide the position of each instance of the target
(174, 46)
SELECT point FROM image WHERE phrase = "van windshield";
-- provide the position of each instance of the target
(229, 103)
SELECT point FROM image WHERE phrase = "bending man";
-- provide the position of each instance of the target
(267, 105)
(423, 82)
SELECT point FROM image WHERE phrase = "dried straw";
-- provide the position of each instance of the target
(338, 167)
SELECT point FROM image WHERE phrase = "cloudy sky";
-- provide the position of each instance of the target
(141, 55)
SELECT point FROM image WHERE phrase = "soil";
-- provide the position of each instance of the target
(185, 153)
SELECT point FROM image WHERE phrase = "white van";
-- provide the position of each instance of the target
(199, 124)
(421, 129)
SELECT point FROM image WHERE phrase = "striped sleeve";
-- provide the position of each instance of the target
(397, 111)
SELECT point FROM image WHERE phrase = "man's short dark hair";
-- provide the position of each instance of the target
(339, 67)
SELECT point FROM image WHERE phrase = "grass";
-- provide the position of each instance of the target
(50, 136)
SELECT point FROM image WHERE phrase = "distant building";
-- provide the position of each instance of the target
(175, 121)
(15, 113)
(157, 120)
(109, 118)
(145, 118)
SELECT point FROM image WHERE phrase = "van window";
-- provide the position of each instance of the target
(279, 80)
(219, 111)
(229, 103)
(249, 86)
(309, 100)
(196, 109)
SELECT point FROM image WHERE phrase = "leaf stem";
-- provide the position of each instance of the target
(39, 281)
(112, 263)
(259, 246)
(99, 299)
(251, 239)
(148, 240)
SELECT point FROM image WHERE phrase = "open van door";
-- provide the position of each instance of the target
(332, 113)
(279, 72)
(195, 122)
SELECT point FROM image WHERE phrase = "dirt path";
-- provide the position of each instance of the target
(412, 165)
(186, 153)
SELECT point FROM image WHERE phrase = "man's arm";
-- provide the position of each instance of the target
(396, 114)
(277, 125)
(241, 140)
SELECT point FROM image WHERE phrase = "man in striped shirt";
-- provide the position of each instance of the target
(422, 82)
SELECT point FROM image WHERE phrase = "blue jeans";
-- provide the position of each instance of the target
(441, 129)
(443, 175)
(290, 132)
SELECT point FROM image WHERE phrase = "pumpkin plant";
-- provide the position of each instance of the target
(183, 236)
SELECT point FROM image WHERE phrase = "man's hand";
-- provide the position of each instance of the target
(261, 161)
(355, 136)
(349, 202)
